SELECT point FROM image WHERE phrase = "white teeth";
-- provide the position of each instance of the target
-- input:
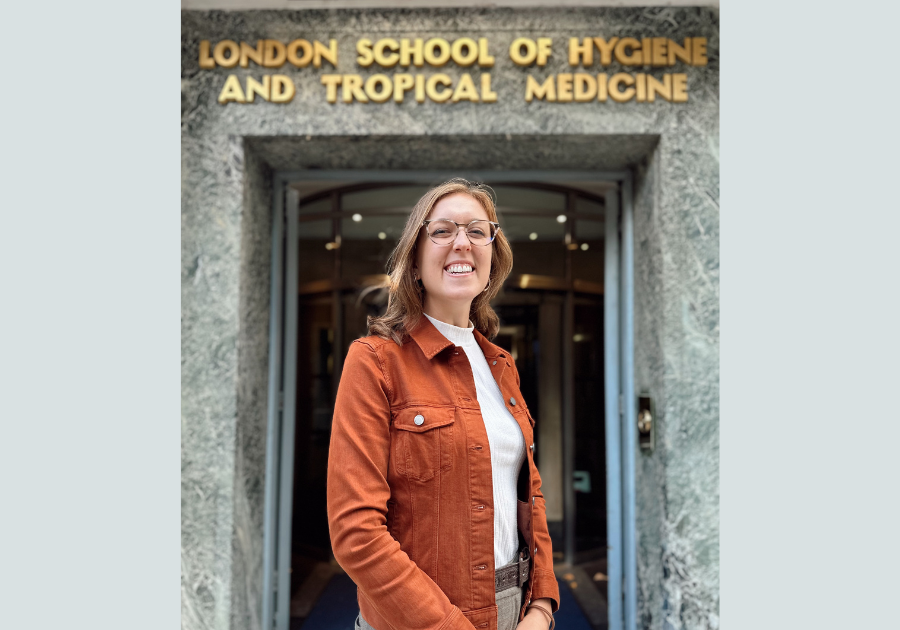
(459, 268)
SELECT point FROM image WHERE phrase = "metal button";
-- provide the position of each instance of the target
(494, 363)
(419, 419)
(512, 401)
(532, 448)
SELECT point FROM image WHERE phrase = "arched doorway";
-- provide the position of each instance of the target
(553, 322)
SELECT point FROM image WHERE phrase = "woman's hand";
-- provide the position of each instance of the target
(535, 619)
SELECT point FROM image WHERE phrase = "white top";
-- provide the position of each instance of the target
(504, 436)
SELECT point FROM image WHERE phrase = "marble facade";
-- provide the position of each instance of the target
(229, 155)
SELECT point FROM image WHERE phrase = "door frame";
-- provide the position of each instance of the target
(621, 436)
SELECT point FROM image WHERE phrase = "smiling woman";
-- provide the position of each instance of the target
(435, 507)
(418, 278)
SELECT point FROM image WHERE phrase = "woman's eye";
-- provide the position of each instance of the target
(476, 232)
(441, 232)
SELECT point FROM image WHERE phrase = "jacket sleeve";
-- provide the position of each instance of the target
(357, 495)
(544, 579)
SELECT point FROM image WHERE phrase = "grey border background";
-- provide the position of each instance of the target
(90, 359)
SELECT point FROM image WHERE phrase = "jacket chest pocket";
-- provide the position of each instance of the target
(423, 441)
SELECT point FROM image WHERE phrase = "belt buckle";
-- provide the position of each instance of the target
(523, 566)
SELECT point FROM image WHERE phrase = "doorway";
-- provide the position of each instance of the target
(337, 237)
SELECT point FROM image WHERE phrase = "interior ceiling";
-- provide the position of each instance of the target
(308, 187)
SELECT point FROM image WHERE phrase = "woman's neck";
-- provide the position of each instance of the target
(454, 313)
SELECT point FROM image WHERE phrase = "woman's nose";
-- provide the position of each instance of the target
(462, 241)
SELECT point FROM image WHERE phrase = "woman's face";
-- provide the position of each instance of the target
(434, 261)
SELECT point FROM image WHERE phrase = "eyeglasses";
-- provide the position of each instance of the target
(444, 231)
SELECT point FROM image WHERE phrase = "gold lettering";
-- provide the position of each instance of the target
(485, 60)
(467, 58)
(420, 88)
(416, 52)
(206, 61)
(641, 84)
(617, 94)
(431, 85)
(699, 56)
(465, 89)
(402, 83)
(585, 87)
(679, 52)
(646, 50)
(282, 89)
(487, 96)
(364, 58)
(605, 49)
(379, 88)
(389, 60)
(544, 45)
(248, 54)
(293, 59)
(601, 87)
(437, 59)
(515, 51)
(679, 88)
(664, 88)
(352, 88)
(622, 55)
(274, 53)
(254, 87)
(659, 51)
(234, 54)
(544, 91)
(231, 91)
(329, 54)
(581, 52)
(331, 83)
(564, 88)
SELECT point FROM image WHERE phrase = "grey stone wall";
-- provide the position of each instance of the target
(228, 155)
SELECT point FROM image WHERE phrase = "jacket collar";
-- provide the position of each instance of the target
(432, 342)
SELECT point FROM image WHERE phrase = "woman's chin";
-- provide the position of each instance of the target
(457, 294)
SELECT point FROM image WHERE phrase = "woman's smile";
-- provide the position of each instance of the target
(460, 268)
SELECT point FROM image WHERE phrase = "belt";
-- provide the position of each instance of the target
(514, 574)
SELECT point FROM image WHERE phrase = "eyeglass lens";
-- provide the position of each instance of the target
(479, 232)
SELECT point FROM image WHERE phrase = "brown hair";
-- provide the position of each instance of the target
(406, 299)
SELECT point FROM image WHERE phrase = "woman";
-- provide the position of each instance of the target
(434, 502)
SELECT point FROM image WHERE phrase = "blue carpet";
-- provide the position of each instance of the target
(569, 615)
(337, 608)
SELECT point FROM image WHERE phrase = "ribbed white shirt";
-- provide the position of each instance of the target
(504, 437)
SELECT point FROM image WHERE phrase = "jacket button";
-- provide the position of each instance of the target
(419, 419)
(532, 448)
(512, 401)
(494, 363)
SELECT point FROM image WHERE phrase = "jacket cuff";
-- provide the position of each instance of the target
(545, 585)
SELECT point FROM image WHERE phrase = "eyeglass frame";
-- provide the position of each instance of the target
(459, 225)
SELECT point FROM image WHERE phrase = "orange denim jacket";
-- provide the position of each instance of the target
(410, 503)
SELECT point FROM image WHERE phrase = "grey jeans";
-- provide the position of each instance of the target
(509, 602)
